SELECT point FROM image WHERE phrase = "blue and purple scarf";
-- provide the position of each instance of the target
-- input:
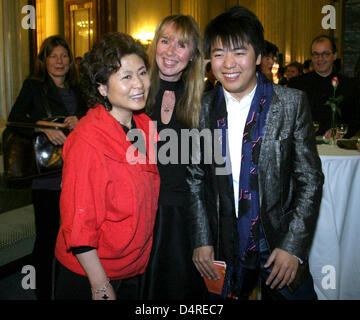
(249, 207)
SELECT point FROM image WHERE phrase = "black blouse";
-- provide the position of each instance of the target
(173, 187)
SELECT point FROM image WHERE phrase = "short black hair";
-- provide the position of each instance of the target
(270, 48)
(296, 65)
(236, 26)
(325, 37)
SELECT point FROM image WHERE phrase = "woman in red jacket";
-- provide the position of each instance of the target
(110, 184)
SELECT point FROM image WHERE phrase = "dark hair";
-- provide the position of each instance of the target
(281, 71)
(48, 45)
(208, 67)
(297, 65)
(270, 48)
(322, 38)
(236, 26)
(103, 60)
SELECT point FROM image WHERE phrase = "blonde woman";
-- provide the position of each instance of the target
(177, 79)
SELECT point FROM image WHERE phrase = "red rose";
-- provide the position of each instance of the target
(335, 82)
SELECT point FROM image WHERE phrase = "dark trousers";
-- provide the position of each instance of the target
(47, 217)
(255, 277)
(72, 286)
(304, 292)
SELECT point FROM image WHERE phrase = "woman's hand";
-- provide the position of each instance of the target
(56, 137)
(91, 263)
(108, 295)
(71, 122)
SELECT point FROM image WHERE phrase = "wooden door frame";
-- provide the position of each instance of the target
(104, 13)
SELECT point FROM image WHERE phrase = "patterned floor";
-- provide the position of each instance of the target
(10, 286)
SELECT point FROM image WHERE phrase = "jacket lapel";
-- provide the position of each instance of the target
(272, 120)
(218, 120)
(273, 125)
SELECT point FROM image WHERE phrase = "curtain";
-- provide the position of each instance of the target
(14, 57)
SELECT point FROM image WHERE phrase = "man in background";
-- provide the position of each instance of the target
(318, 87)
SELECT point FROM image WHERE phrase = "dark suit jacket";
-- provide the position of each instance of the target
(290, 181)
(29, 105)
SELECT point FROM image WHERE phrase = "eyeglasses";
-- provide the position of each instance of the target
(325, 54)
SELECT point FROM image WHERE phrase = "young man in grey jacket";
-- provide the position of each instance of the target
(257, 208)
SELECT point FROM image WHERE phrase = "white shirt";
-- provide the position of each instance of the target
(237, 114)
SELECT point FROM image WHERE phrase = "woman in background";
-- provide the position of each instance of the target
(110, 185)
(53, 88)
(177, 80)
(268, 59)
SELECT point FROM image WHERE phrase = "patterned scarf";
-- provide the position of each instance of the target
(247, 262)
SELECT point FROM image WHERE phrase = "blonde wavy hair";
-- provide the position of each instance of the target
(189, 105)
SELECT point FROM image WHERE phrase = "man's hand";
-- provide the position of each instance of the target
(284, 269)
(203, 258)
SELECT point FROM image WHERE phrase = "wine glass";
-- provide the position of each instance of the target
(342, 129)
(316, 125)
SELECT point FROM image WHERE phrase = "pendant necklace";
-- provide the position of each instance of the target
(166, 108)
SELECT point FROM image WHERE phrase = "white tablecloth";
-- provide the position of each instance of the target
(335, 253)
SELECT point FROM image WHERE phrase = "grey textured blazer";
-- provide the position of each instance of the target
(290, 181)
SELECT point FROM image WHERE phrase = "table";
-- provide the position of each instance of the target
(335, 253)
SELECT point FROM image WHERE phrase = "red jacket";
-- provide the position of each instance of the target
(108, 199)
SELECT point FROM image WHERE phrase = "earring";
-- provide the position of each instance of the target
(107, 103)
